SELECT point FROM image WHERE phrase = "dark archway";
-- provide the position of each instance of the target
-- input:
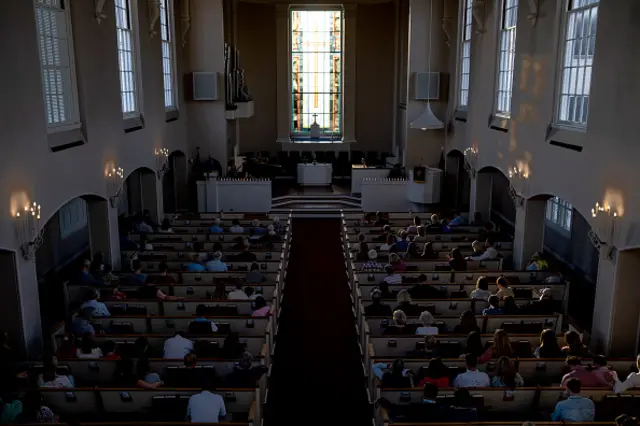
(174, 183)
(140, 193)
(457, 182)
(502, 208)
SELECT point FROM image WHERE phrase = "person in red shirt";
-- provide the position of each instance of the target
(436, 373)
(588, 378)
(109, 350)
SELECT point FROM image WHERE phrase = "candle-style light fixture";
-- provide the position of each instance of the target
(162, 162)
(115, 178)
(518, 183)
(604, 229)
(471, 161)
(26, 222)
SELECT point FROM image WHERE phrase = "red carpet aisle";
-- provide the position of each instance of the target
(317, 375)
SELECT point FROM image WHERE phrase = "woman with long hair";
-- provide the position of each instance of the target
(457, 262)
(501, 346)
(467, 324)
(574, 346)
(506, 375)
(549, 347)
(437, 373)
(474, 345)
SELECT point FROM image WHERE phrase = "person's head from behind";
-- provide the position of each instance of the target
(573, 340)
(422, 279)
(246, 361)
(600, 361)
(391, 239)
(403, 297)
(456, 254)
(412, 249)
(49, 373)
(259, 302)
(190, 359)
(235, 222)
(474, 344)
(372, 255)
(249, 291)
(417, 221)
(437, 369)
(509, 303)
(217, 255)
(505, 368)
(399, 318)
(430, 391)
(548, 340)
(477, 246)
(435, 219)
(109, 347)
(502, 282)
(482, 283)
(393, 258)
(386, 229)
(397, 367)
(376, 295)
(471, 361)
(573, 386)
(426, 319)
(163, 268)
(494, 301)
(136, 265)
(574, 363)
(468, 321)
(463, 398)
(166, 225)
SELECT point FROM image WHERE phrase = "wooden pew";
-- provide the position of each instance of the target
(470, 277)
(179, 265)
(352, 237)
(557, 290)
(432, 265)
(186, 255)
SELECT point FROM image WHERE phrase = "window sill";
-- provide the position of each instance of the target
(566, 137)
(61, 140)
(132, 124)
(171, 115)
(499, 123)
(460, 115)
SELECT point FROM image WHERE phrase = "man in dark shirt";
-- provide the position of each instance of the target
(429, 410)
(425, 291)
(162, 278)
(245, 255)
(377, 308)
(244, 374)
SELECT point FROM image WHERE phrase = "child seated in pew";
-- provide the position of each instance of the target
(261, 309)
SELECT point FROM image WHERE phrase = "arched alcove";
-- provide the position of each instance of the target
(139, 193)
(503, 209)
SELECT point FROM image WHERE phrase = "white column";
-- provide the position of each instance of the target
(480, 195)
(28, 296)
(349, 76)
(616, 318)
(283, 96)
(529, 231)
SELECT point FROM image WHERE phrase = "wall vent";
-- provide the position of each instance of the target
(204, 86)
(426, 86)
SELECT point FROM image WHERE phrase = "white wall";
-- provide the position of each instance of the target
(608, 162)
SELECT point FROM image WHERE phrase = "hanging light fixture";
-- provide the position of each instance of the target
(428, 120)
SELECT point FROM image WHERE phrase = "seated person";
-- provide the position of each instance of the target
(422, 290)
(146, 378)
(244, 374)
(399, 325)
(586, 375)
(89, 347)
(392, 278)
(81, 323)
(506, 375)
(261, 309)
(477, 247)
(137, 277)
(434, 223)
(377, 308)
(235, 227)
(245, 255)
(216, 264)
(256, 227)
(574, 346)
(632, 381)
(504, 289)
(195, 265)
(472, 378)
(254, 276)
(380, 220)
(151, 291)
(278, 226)
(429, 410)
(482, 289)
(537, 263)
(202, 320)
(393, 375)
(237, 293)
(389, 242)
(216, 228)
(576, 408)
(413, 229)
(549, 347)
(165, 227)
(50, 379)
(206, 407)
(177, 346)
(510, 307)
(99, 308)
(428, 252)
(437, 374)
(458, 220)
(85, 278)
(109, 350)
(402, 242)
(371, 265)
(456, 261)
(163, 276)
(428, 327)
(467, 324)
(463, 409)
(490, 253)
(494, 307)
(405, 304)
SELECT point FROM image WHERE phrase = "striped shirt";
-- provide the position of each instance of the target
(393, 279)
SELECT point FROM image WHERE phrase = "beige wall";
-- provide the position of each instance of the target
(375, 35)
(608, 162)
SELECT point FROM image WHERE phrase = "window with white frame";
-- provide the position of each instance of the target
(559, 212)
(506, 57)
(55, 42)
(168, 73)
(127, 56)
(577, 61)
(72, 217)
(465, 53)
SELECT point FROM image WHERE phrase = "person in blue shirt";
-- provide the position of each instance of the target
(82, 322)
(458, 220)
(216, 228)
(494, 307)
(85, 278)
(99, 308)
(196, 264)
(137, 278)
(575, 408)
(216, 264)
(255, 223)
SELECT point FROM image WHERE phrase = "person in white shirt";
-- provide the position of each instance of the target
(428, 327)
(632, 381)
(89, 348)
(482, 289)
(237, 293)
(52, 380)
(235, 227)
(177, 346)
(490, 253)
(472, 378)
(206, 407)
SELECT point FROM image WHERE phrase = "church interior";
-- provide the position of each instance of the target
(363, 212)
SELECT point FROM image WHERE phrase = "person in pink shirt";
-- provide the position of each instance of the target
(397, 263)
(261, 308)
(602, 369)
(588, 378)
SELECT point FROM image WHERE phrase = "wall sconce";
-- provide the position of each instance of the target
(518, 184)
(471, 161)
(604, 229)
(115, 178)
(28, 231)
(162, 162)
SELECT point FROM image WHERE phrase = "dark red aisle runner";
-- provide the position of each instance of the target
(317, 375)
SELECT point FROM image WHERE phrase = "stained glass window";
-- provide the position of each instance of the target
(316, 71)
